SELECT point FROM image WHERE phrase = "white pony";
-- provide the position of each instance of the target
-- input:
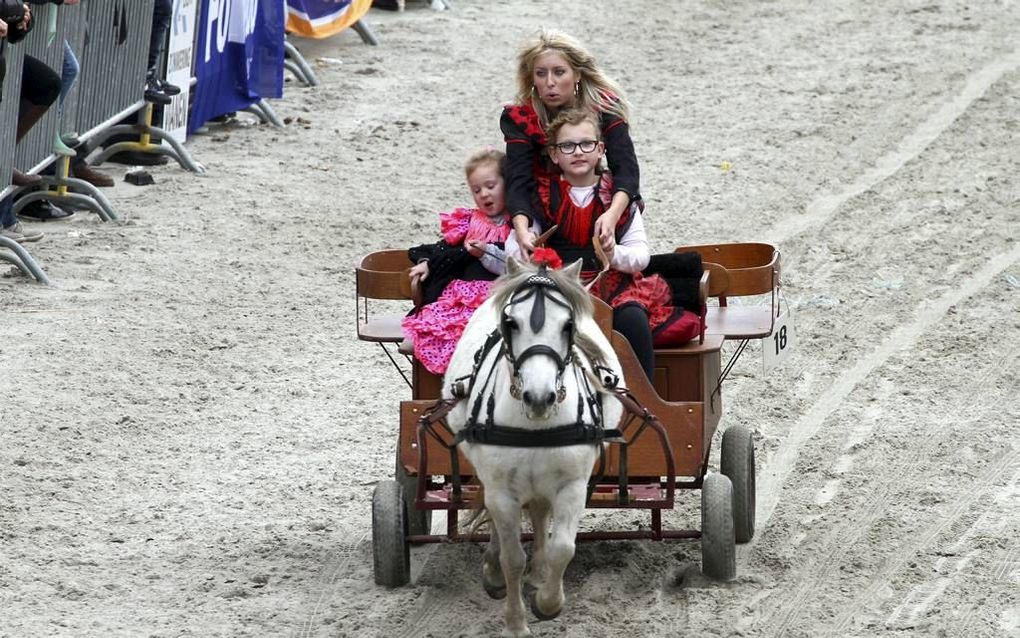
(532, 370)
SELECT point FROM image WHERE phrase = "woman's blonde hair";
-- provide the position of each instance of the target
(484, 156)
(596, 92)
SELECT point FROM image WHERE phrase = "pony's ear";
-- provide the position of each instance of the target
(512, 265)
(573, 271)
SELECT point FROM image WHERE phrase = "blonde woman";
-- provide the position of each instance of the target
(555, 73)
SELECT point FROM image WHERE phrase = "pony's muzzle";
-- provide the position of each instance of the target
(539, 402)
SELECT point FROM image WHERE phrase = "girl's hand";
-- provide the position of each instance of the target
(475, 247)
(421, 271)
(608, 246)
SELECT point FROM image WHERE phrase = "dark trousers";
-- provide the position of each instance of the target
(631, 321)
(161, 15)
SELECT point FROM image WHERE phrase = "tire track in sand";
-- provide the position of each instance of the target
(845, 539)
(823, 206)
(336, 564)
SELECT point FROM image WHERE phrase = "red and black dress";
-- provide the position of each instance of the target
(671, 325)
(527, 157)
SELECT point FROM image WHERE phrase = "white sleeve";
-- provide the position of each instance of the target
(632, 254)
(494, 259)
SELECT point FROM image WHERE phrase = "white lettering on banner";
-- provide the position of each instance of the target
(178, 67)
(242, 20)
(219, 14)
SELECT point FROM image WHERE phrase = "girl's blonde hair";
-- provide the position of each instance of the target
(596, 92)
(484, 156)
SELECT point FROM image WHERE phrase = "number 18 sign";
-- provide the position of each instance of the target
(776, 347)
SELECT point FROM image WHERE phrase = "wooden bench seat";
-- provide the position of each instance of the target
(381, 275)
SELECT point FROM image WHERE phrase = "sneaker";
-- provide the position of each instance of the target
(166, 87)
(19, 233)
(154, 94)
(62, 148)
(43, 210)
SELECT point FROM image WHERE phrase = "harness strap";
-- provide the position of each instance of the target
(572, 434)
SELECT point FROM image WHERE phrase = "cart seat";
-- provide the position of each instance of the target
(739, 270)
(382, 275)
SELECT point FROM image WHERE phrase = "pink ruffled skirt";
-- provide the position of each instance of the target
(437, 327)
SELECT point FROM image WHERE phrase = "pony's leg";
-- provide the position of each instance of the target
(492, 574)
(538, 567)
(506, 519)
(559, 549)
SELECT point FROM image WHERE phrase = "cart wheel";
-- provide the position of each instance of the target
(418, 521)
(390, 551)
(718, 549)
(738, 464)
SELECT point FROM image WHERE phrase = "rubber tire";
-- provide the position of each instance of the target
(737, 463)
(391, 553)
(419, 522)
(718, 547)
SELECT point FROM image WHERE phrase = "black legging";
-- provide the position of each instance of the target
(631, 321)
(40, 84)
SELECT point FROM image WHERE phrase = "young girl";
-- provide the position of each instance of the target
(573, 200)
(456, 272)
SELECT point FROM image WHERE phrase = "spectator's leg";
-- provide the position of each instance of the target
(631, 321)
(162, 12)
(68, 75)
(40, 87)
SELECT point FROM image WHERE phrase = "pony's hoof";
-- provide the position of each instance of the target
(496, 592)
(533, 603)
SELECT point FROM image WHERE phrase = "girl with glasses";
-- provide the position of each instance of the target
(573, 200)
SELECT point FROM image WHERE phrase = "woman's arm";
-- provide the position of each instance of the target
(518, 168)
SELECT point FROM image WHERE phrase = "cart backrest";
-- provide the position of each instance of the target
(738, 269)
(383, 275)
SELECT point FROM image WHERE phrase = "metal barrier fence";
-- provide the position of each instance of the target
(112, 61)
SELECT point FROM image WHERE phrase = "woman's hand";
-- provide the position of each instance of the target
(420, 270)
(3, 29)
(27, 19)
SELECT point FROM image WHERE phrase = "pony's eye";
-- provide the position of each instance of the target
(568, 327)
(512, 324)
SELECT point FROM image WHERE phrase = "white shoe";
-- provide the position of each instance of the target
(19, 233)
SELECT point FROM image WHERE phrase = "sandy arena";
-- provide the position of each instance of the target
(192, 432)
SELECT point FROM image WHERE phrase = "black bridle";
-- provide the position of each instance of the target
(538, 286)
(487, 431)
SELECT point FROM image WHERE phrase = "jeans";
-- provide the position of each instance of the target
(69, 72)
(7, 216)
(161, 15)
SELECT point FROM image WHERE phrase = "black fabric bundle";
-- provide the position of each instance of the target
(682, 271)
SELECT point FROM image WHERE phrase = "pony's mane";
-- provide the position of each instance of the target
(571, 289)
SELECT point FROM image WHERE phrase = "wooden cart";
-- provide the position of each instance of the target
(685, 396)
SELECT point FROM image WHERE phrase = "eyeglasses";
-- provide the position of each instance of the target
(568, 148)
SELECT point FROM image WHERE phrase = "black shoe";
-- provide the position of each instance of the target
(43, 210)
(154, 94)
(167, 88)
(138, 158)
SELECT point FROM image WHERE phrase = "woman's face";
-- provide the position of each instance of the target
(554, 79)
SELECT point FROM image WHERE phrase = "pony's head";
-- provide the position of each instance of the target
(539, 313)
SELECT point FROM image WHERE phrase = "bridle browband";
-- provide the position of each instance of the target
(486, 431)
